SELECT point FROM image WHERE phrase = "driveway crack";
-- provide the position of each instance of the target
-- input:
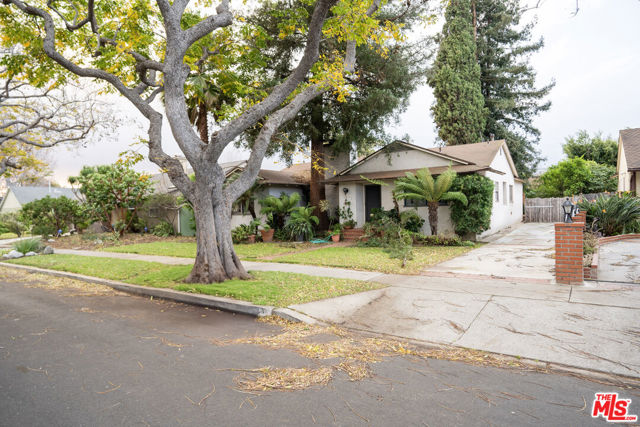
(474, 319)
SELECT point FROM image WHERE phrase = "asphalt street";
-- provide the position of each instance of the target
(74, 354)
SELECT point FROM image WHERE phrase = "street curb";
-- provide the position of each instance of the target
(220, 303)
(294, 316)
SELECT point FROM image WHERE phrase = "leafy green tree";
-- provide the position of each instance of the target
(113, 193)
(279, 208)
(603, 150)
(575, 176)
(508, 81)
(143, 48)
(379, 91)
(422, 186)
(458, 111)
(474, 216)
(12, 222)
(48, 215)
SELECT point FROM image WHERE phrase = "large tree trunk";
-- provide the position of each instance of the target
(433, 217)
(316, 187)
(216, 260)
(202, 123)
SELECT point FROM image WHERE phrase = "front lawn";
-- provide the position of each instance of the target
(188, 249)
(375, 259)
(266, 288)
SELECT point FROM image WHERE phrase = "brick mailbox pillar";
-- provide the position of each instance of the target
(569, 253)
(580, 217)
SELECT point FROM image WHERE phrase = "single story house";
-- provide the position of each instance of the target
(17, 197)
(271, 183)
(491, 159)
(628, 166)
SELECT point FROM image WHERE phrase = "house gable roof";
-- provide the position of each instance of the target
(467, 158)
(403, 146)
(630, 143)
(481, 153)
(25, 195)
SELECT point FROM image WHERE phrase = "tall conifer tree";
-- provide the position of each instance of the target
(458, 111)
(508, 80)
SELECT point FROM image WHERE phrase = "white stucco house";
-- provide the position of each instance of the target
(628, 167)
(491, 159)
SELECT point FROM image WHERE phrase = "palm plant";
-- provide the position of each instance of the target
(279, 208)
(301, 222)
(618, 214)
(422, 186)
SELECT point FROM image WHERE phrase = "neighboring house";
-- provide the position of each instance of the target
(270, 183)
(491, 159)
(628, 167)
(17, 197)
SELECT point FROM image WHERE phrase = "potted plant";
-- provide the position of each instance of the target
(349, 224)
(253, 230)
(335, 233)
(267, 233)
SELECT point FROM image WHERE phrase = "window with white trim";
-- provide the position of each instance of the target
(496, 191)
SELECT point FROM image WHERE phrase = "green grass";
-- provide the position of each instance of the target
(188, 249)
(375, 259)
(266, 288)
(8, 236)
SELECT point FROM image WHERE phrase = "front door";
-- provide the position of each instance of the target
(372, 199)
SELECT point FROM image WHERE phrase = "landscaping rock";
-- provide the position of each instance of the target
(30, 254)
(51, 240)
(14, 254)
(48, 250)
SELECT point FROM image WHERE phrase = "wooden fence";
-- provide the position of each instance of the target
(550, 209)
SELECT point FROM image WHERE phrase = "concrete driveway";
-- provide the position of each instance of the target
(619, 261)
(526, 253)
(501, 298)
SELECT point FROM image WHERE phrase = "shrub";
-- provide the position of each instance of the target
(48, 215)
(28, 245)
(301, 222)
(475, 217)
(439, 240)
(613, 215)
(278, 209)
(163, 229)
(411, 221)
(12, 222)
(281, 235)
(240, 233)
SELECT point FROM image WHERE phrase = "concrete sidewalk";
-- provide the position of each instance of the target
(595, 326)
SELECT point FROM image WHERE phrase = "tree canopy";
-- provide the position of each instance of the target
(144, 48)
(511, 94)
(112, 193)
(600, 149)
(458, 111)
(575, 176)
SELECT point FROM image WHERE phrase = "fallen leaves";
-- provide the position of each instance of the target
(283, 379)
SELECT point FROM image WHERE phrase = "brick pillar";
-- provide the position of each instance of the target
(580, 217)
(569, 253)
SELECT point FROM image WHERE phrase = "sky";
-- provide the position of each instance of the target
(594, 58)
